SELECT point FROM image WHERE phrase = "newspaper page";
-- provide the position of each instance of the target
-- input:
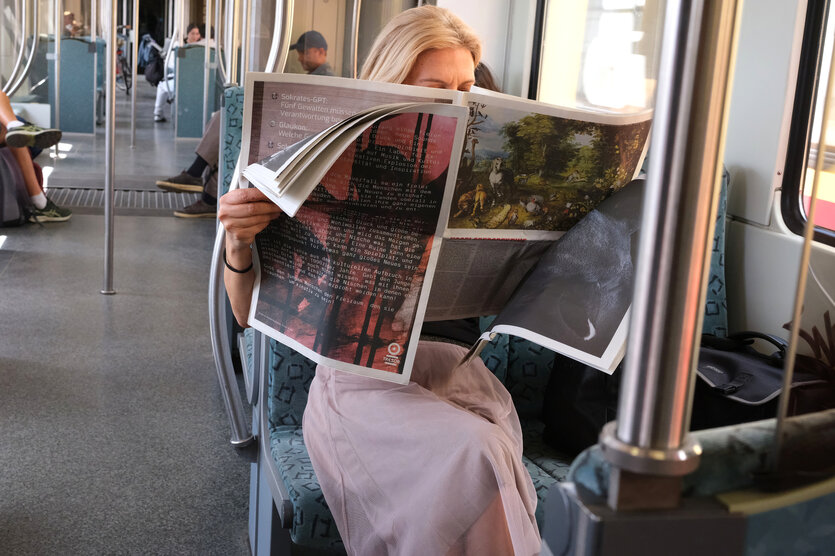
(523, 173)
(576, 300)
(528, 172)
(346, 281)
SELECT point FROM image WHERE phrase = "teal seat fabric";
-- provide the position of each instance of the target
(716, 302)
(288, 386)
(313, 524)
(233, 113)
(289, 383)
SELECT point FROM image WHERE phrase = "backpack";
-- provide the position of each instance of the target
(14, 201)
(155, 69)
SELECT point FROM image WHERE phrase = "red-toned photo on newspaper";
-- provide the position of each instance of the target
(341, 282)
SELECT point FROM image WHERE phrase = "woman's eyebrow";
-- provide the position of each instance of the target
(432, 80)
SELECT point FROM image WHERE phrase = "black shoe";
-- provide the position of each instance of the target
(198, 209)
(182, 182)
(159, 119)
(32, 136)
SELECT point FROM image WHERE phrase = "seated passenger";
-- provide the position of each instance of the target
(165, 88)
(313, 51)
(18, 137)
(435, 466)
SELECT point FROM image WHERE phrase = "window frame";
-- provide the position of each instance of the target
(800, 130)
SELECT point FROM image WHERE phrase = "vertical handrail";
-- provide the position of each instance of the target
(56, 51)
(32, 50)
(218, 327)
(355, 31)
(219, 29)
(650, 436)
(280, 44)
(110, 152)
(94, 25)
(207, 57)
(803, 273)
(235, 41)
(246, 25)
(134, 48)
(24, 23)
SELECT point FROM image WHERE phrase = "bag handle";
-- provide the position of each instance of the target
(748, 337)
(738, 341)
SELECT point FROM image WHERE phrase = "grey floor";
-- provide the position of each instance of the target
(113, 438)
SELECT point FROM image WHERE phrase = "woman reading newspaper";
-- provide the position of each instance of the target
(433, 467)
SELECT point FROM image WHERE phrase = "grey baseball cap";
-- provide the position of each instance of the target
(310, 39)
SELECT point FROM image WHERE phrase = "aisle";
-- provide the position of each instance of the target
(113, 437)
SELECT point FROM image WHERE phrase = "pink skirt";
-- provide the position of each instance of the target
(432, 467)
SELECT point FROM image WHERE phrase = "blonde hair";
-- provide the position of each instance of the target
(411, 33)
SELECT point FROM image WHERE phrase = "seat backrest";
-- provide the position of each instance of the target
(289, 383)
(233, 119)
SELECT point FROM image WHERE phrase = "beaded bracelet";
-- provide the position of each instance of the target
(232, 268)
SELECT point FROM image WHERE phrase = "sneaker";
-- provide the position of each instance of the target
(32, 136)
(182, 182)
(50, 213)
(159, 119)
(198, 209)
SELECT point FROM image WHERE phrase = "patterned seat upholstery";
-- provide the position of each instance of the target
(232, 129)
(288, 386)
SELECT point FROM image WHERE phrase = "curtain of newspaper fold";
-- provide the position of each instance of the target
(360, 243)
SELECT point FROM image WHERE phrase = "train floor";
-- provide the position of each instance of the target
(113, 435)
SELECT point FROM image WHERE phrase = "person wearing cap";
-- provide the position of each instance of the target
(312, 49)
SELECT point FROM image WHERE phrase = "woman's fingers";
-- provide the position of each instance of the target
(245, 212)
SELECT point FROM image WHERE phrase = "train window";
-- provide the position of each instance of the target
(806, 130)
(601, 54)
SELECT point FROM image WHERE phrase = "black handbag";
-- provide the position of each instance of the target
(735, 384)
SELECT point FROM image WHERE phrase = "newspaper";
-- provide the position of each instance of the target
(412, 204)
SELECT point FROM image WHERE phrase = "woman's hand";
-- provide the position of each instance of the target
(244, 213)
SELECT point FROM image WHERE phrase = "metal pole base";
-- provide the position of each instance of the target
(646, 478)
(242, 443)
(651, 461)
(108, 292)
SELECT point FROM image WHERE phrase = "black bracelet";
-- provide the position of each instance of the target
(232, 268)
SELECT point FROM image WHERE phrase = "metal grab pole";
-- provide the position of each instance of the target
(235, 40)
(246, 24)
(207, 58)
(134, 55)
(56, 51)
(24, 23)
(802, 277)
(355, 37)
(281, 36)
(219, 30)
(220, 346)
(34, 48)
(109, 136)
(649, 441)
